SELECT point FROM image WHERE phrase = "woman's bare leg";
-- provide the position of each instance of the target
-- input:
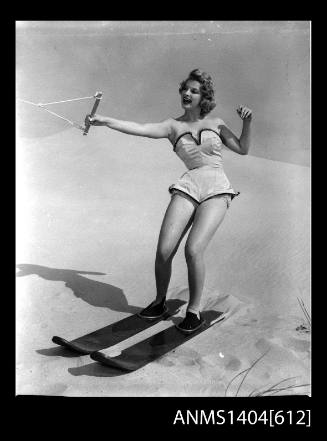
(177, 220)
(207, 219)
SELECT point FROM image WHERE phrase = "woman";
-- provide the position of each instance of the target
(201, 197)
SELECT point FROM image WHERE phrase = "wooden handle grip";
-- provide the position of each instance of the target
(98, 97)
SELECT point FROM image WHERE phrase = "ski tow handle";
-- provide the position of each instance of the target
(97, 97)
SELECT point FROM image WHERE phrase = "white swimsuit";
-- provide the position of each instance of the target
(202, 156)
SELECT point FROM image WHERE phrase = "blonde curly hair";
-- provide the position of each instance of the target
(207, 103)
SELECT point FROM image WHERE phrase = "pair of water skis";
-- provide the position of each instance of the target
(143, 352)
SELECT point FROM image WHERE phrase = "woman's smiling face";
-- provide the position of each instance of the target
(191, 95)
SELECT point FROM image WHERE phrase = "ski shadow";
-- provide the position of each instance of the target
(96, 370)
(59, 351)
(93, 292)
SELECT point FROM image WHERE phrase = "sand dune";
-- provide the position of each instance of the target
(89, 214)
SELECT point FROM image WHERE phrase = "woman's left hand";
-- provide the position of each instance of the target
(244, 112)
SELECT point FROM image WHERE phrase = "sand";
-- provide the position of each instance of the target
(89, 211)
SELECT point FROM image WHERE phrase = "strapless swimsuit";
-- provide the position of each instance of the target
(205, 177)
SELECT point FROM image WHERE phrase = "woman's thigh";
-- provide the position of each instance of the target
(176, 222)
(207, 219)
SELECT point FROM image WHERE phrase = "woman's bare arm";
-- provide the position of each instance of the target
(239, 145)
(150, 130)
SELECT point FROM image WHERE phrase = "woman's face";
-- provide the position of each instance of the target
(191, 95)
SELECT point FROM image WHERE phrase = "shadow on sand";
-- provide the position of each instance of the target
(96, 370)
(58, 352)
(92, 292)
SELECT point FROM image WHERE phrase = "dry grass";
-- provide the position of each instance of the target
(305, 311)
(265, 390)
(273, 389)
(245, 372)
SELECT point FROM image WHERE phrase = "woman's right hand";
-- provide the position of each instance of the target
(95, 120)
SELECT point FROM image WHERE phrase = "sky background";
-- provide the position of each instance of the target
(138, 66)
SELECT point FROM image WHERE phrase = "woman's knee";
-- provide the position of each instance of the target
(193, 250)
(164, 255)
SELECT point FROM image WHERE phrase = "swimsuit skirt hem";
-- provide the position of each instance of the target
(229, 191)
(203, 183)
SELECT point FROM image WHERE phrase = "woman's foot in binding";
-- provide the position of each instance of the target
(191, 323)
(155, 310)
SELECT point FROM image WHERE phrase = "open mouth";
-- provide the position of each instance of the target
(187, 100)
